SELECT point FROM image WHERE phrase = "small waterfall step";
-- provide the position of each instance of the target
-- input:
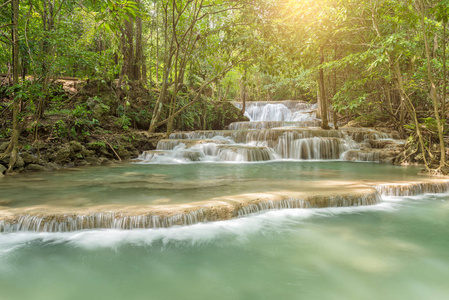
(288, 110)
(272, 124)
(413, 188)
(249, 145)
(259, 135)
(312, 195)
(244, 153)
(170, 155)
(170, 144)
(62, 219)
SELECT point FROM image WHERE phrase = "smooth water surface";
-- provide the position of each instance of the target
(394, 250)
(135, 184)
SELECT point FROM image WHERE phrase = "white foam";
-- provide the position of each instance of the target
(198, 234)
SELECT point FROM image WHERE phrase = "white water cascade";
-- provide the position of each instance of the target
(285, 111)
(276, 130)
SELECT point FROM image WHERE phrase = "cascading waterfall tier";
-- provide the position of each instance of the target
(413, 188)
(272, 124)
(244, 153)
(288, 111)
(312, 202)
(277, 130)
(53, 219)
(106, 220)
(283, 143)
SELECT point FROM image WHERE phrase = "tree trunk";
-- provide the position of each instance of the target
(443, 100)
(411, 109)
(322, 98)
(433, 92)
(243, 91)
(14, 144)
(157, 44)
(138, 61)
(128, 48)
(226, 92)
(335, 89)
(204, 113)
(167, 68)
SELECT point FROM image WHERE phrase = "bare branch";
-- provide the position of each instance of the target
(6, 37)
(7, 25)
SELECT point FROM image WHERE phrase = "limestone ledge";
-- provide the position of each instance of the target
(336, 194)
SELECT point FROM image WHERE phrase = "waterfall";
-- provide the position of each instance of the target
(286, 111)
(276, 130)
(175, 216)
(413, 188)
(311, 202)
(64, 223)
(219, 209)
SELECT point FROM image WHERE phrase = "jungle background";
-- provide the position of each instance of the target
(85, 82)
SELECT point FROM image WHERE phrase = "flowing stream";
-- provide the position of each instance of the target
(190, 222)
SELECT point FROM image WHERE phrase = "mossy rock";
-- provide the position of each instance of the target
(92, 161)
(34, 168)
(124, 154)
(19, 163)
(87, 153)
(29, 158)
(76, 146)
(2, 169)
(103, 161)
(62, 155)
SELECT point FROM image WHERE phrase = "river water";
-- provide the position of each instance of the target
(395, 249)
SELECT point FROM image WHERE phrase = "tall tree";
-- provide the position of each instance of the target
(13, 147)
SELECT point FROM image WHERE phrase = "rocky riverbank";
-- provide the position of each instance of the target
(91, 123)
(53, 155)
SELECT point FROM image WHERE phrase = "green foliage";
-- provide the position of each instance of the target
(60, 129)
(123, 121)
(97, 144)
(274, 45)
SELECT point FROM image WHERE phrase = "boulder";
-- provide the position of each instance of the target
(34, 168)
(52, 166)
(92, 161)
(41, 145)
(103, 161)
(2, 169)
(104, 152)
(124, 154)
(62, 155)
(19, 163)
(81, 163)
(76, 146)
(87, 153)
(29, 158)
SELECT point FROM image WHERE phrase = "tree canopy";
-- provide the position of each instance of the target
(369, 61)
